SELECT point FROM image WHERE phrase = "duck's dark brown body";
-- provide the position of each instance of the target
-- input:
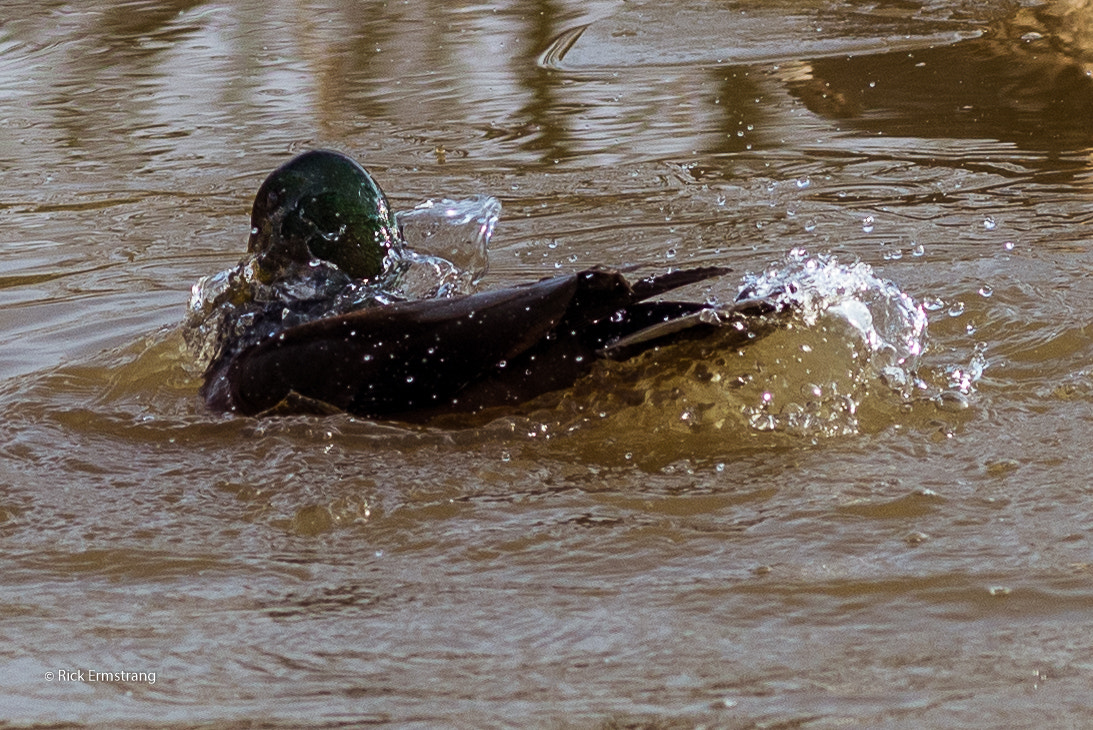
(411, 360)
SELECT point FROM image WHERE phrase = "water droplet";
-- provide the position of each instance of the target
(952, 401)
(999, 591)
(1008, 245)
(867, 224)
(986, 290)
(989, 223)
(409, 378)
(917, 249)
(810, 225)
(506, 456)
(670, 253)
(956, 309)
(803, 182)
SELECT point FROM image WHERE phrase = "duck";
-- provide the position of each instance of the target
(414, 359)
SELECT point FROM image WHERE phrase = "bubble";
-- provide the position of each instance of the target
(952, 401)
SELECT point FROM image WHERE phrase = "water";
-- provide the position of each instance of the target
(863, 519)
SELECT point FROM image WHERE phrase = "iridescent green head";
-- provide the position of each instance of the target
(322, 205)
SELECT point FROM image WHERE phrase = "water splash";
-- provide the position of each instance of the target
(890, 324)
(852, 334)
(457, 231)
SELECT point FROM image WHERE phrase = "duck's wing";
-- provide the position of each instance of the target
(606, 319)
(400, 357)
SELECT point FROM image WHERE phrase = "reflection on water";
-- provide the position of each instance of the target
(610, 554)
(1014, 84)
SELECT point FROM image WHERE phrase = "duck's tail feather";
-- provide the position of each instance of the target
(652, 286)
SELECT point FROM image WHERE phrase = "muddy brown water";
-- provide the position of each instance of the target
(614, 555)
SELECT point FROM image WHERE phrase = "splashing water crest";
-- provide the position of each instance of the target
(892, 326)
(851, 332)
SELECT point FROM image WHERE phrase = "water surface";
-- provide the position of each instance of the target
(639, 549)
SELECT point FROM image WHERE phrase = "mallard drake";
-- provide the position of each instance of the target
(411, 360)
